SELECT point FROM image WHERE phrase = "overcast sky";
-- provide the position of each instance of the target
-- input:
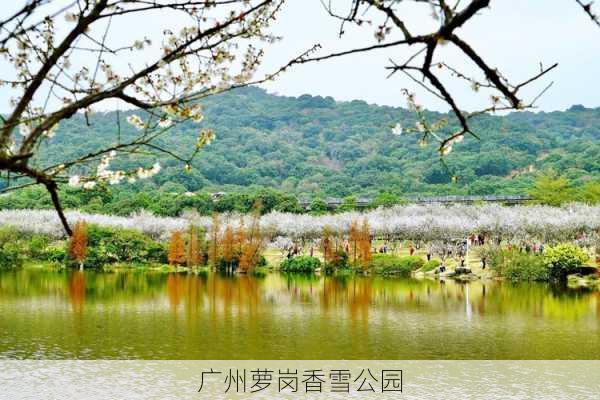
(513, 35)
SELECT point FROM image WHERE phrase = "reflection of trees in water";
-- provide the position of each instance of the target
(227, 295)
(360, 299)
(538, 300)
(360, 294)
(175, 289)
(76, 290)
(214, 298)
(480, 304)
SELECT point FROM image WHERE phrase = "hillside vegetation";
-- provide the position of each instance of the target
(316, 147)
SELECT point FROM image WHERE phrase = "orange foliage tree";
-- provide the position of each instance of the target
(177, 254)
(354, 239)
(241, 245)
(228, 245)
(213, 245)
(78, 243)
(194, 248)
(240, 236)
(251, 242)
(365, 244)
(328, 245)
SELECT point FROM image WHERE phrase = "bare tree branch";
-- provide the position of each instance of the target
(198, 60)
(587, 8)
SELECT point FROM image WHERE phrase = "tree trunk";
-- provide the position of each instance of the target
(52, 189)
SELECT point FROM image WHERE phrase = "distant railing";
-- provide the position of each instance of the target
(470, 199)
(334, 203)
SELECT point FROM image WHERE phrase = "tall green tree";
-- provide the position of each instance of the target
(552, 189)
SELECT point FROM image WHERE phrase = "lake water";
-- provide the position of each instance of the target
(132, 314)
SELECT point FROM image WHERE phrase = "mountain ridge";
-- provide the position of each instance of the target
(317, 146)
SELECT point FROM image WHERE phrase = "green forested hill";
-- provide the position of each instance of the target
(315, 146)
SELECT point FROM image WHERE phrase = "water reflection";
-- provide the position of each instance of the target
(128, 313)
(189, 293)
(76, 290)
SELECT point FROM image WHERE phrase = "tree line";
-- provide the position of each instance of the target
(550, 188)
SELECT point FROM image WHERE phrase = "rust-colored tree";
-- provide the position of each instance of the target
(354, 239)
(78, 243)
(177, 252)
(249, 257)
(229, 245)
(214, 236)
(253, 242)
(327, 245)
(194, 248)
(240, 236)
(365, 244)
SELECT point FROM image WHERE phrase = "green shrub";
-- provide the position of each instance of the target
(301, 264)
(110, 245)
(431, 265)
(262, 262)
(516, 265)
(16, 247)
(564, 259)
(55, 252)
(388, 264)
(526, 267)
(259, 272)
(340, 261)
(223, 265)
(10, 255)
(36, 246)
(11, 251)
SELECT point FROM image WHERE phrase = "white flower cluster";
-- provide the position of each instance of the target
(206, 138)
(136, 121)
(186, 64)
(191, 111)
(429, 223)
(25, 129)
(47, 222)
(440, 222)
(145, 173)
(104, 174)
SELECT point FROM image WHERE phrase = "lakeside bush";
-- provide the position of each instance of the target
(564, 259)
(516, 265)
(431, 265)
(234, 263)
(555, 263)
(110, 245)
(16, 247)
(337, 261)
(523, 266)
(388, 264)
(301, 264)
(11, 253)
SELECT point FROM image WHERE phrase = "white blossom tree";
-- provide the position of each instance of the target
(65, 57)
(431, 223)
